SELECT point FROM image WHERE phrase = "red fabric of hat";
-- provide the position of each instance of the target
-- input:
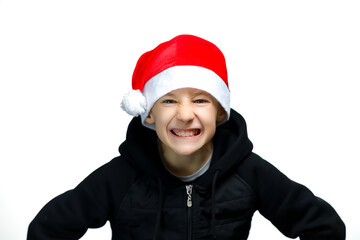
(179, 51)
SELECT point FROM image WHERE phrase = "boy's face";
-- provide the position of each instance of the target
(185, 120)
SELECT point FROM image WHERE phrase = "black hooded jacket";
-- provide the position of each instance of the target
(142, 200)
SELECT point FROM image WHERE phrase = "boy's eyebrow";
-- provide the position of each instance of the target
(169, 94)
(195, 94)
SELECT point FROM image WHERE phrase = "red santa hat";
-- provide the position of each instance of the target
(185, 61)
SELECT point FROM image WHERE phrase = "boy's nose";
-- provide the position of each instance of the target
(185, 113)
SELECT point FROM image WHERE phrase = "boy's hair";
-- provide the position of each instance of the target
(185, 61)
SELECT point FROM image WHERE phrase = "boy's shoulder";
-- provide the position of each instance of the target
(116, 171)
(256, 163)
(258, 172)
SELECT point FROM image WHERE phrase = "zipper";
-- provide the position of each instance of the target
(189, 195)
(189, 190)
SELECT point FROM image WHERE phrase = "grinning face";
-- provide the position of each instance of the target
(185, 121)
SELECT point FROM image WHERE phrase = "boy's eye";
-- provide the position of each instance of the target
(200, 101)
(169, 101)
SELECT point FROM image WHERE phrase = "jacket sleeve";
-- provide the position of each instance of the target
(89, 205)
(290, 206)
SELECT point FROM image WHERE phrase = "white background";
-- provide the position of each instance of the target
(294, 68)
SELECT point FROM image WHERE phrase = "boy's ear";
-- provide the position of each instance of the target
(221, 114)
(150, 119)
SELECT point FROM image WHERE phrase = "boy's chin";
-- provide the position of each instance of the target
(184, 153)
(190, 150)
(186, 149)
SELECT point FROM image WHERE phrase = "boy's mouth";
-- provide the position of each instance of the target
(186, 132)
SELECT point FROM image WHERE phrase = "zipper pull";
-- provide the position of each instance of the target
(189, 194)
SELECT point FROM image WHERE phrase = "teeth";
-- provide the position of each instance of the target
(186, 133)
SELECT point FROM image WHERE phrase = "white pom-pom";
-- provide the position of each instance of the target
(134, 103)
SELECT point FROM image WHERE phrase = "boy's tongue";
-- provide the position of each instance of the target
(186, 132)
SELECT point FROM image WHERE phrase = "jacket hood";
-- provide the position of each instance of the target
(231, 147)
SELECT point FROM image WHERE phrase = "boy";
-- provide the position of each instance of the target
(186, 169)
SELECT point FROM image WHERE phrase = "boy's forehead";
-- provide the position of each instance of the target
(187, 91)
